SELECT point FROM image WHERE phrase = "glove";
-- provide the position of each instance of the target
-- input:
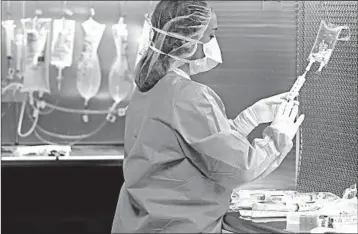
(262, 111)
(284, 121)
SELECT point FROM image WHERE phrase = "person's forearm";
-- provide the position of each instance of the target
(243, 123)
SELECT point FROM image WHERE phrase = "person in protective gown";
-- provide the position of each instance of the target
(182, 155)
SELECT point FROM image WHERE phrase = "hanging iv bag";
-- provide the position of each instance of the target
(9, 28)
(63, 39)
(144, 39)
(36, 71)
(88, 68)
(121, 82)
(326, 40)
(20, 43)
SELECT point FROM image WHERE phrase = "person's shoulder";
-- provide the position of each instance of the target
(190, 90)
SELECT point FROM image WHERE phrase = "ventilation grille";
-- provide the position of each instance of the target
(329, 149)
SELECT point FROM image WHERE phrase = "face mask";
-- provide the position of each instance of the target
(212, 58)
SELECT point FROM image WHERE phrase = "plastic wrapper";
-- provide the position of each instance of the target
(42, 150)
(275, 200)
(121, 80)
(36, 72)
(62, 45)
(88, 68)
(326, 40)
(350, 192)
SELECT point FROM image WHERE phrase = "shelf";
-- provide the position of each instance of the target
(79, 156)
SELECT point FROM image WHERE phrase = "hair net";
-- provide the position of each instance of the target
(177, 27)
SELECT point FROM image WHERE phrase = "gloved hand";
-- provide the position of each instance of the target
(262, 111)
(284, 121)
(284, 128)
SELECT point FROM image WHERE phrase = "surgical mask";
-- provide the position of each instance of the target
(212, 58)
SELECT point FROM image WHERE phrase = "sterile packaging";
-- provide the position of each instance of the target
(43, 150)
(275, 207)
(300, 222)
(350, 192)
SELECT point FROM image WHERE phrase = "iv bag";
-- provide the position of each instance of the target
(20, 42)
(121, 82)
(36, 72)
(62, 45)
(9, 28)
(326, 40)
(88, 69)
(143, 40)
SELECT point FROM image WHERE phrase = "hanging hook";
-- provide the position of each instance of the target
(23, 9)
(66, 11)
(8, 9)
(92, 12)
(38, 13)
(122, 9)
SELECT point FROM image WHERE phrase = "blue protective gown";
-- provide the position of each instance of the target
(183, 157)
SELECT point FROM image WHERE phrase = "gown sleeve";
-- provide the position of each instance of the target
(223, 153)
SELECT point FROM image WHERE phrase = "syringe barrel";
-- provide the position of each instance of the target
(296, 87)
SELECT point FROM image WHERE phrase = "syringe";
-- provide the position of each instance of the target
(296, 87)
(299, 83)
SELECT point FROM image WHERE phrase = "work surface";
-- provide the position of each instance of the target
(233, 223)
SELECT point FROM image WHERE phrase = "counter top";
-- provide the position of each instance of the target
(80, 155)
(233, 223)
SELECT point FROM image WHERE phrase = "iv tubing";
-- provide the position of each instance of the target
(71, 137)
(16, 85)
(75, 111)
(59, 108)
(50, 142)
(22, 112)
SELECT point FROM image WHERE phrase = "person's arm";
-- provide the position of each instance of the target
(262, 111)
(223, 154)
(243, 123)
